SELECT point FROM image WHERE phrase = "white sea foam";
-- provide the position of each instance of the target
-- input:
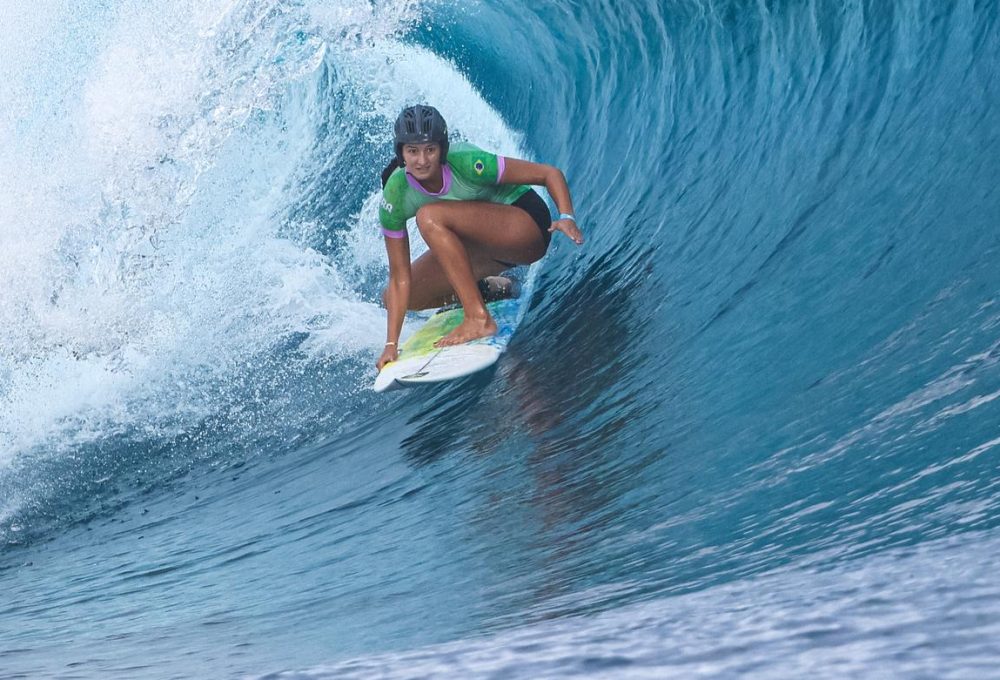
(147, 244)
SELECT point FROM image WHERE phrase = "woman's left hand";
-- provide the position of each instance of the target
(569, 228)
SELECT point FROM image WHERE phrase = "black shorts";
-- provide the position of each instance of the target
(533, 204)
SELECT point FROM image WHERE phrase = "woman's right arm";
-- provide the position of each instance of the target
(397, 296)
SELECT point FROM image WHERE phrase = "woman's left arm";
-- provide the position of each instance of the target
(525, 172)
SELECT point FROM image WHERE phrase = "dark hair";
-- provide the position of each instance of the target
(389, 169)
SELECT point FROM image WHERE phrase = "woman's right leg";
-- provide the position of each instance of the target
(468, 241)
(493, 238)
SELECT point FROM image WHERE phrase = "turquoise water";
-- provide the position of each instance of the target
(751, 428)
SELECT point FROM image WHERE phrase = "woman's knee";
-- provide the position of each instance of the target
(429, 218)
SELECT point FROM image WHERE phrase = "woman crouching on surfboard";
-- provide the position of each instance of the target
(478, 215)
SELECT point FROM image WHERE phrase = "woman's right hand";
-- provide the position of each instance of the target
(389, 353)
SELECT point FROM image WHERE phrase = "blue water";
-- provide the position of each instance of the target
(752, 427)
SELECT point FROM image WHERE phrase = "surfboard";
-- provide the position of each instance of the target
(421, 363)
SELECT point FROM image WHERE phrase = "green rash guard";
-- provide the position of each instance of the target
(470, 174)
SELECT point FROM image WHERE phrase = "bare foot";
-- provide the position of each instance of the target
(469, 329)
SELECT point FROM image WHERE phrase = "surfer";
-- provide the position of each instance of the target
(478, 215)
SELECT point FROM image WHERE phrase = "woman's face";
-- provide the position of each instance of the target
(423, 161)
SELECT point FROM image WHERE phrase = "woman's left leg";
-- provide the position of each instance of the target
(464, 238)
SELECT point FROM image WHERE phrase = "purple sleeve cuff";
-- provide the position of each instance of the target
(389, 233)
(501, 166)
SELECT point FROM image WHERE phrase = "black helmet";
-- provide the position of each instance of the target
(421, 125)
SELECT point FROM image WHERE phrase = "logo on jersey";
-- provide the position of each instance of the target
(479, 166)
(386, 206)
